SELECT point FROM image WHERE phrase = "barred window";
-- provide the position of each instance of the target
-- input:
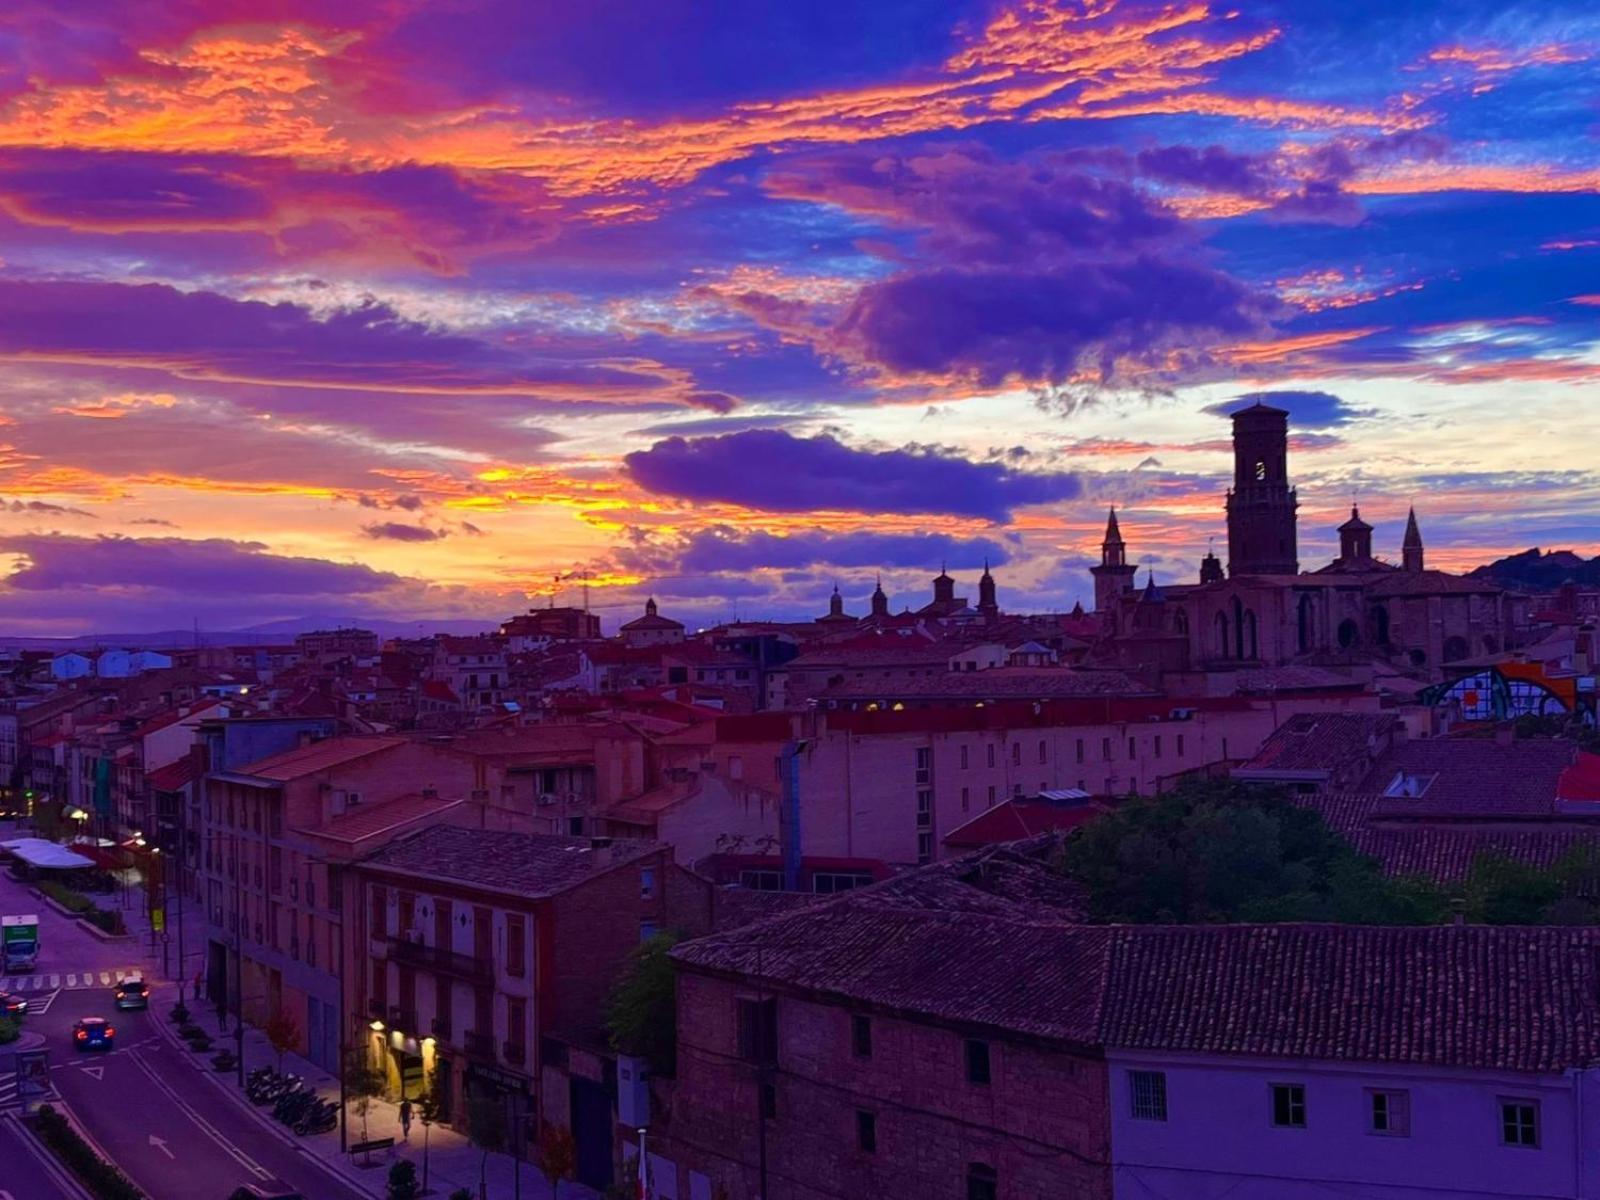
(1149, 1092)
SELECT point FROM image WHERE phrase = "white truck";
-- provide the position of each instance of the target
(19, 943)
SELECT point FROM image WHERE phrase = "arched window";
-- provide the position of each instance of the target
(1180, 622)
(1222, 636)
(1418, 657)
(1238, 628)
(1380, 622)
(1491, 644)
(1305, 624)
(1261, 470)
(1349, 633)
(1250, 633)
(1454, 648)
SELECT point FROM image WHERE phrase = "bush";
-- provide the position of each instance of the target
(403, 1181)
(109, 921)
(101, 1178)
(200, 1044)
(223, 1061)
(189, 1032)
(180, 1015)
(461, 1194)
(9, 1032)
(66, 897)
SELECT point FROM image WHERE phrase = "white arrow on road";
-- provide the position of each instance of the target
(95, 1072)
(161, 1145)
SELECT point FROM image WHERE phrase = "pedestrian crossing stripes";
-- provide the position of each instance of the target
(49, 981)
(9, 1097)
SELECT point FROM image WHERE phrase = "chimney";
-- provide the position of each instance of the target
(600, 850)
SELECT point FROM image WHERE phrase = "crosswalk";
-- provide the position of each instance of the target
(49, 981)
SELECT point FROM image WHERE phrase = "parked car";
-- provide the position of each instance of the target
(93, 1033)
(131, 991)
(12, 1005)
(252, 1191)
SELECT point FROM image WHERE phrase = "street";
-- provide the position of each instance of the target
(144, 1103)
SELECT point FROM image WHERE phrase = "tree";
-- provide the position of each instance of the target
(363, 1084)
(1219, 851)
(556, 1157)
(641, 1013)
(282, 1033)
(486, 1129)
(403, 1181)
(1503, 891)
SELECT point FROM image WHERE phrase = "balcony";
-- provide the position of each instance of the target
(440, 961)
(376, 1008)
(479, 1045)
(441, 1027)
(516, 1053)
(403, 1019)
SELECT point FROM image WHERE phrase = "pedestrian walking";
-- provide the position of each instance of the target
(405, 1120)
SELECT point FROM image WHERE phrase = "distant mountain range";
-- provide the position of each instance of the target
(1542, 571)
(270, 633)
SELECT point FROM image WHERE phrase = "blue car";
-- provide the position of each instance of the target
(93, 1033)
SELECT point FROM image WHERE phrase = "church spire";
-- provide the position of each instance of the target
(1411, 546)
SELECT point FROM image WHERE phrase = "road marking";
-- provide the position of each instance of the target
(72, 981)
(95, 1072)
(211, 1130)
(161, 1145)
(105, 978)
(55, 981)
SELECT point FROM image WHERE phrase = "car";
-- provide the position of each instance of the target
(252, 1191)
(131, 991)
(12, 1005)
(93, 1033)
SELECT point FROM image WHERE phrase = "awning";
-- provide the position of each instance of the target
(47, 856)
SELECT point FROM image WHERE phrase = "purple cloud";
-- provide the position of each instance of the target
(209, 567)
(398, 531)
(1307, 410)
(775, 471)
(43, 508)
(203, 335)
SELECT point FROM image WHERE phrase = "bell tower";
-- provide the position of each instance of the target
(1115, 573)
(1261, 504)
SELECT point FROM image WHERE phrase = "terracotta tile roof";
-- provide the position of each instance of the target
(1473, 777)
(521, 864)
(1428, 583)
(1487, 997)
(736, 907)
(369, 820)
(1014, 819)
(318, 756)
(999, 683)
(1324, 742)
(172, 777)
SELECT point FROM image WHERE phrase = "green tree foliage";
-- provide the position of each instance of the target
(9, 1031)
(1501, 891)
(102, 1179)
(363, 1083)
(403, 1181)
(642, 1011)
(1214, 850)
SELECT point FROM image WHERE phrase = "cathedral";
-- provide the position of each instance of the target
(1264, 611)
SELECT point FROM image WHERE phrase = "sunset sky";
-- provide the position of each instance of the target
(402, 310)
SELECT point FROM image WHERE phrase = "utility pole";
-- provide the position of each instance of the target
(238, 957)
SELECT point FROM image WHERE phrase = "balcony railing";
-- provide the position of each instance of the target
(515, 1052)
(441, 1027)
(479, 1045)
(444, 962)
(403, 1019)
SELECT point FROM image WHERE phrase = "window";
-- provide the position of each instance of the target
(1105, 749)
(1391, 1112)
(379, 918)
(769, 1102)
(861, 1036)
(1016, 754)
(575, 826)
(1148, 1090)
(761, 881)
(966, 799)
(1289, 1105)
(991, 753)
(1157, 745)
(1180, 745)
(1080, 749)
(647, 883)
(1041, 750)
(647, 930)
(866, 1131)
(963, 758)
(758, 1030)
(924, 764)
(1133, 749)
(825, 883)
(1519, 1123)
(924, 848)
(977, 1052)
(982, 1182)
(924, 809)
(516, 944)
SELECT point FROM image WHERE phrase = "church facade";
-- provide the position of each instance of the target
(1265, 611)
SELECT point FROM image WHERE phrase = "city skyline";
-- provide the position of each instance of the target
(410, 315)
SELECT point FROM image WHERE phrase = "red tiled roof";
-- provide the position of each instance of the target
(1013, 819)
(318, 756)
(1581, 781)
(998, 683)
(437, 689)
(1323, 741)
(523, 864)
(369, 820)
(1504, 998)
(174, 776)
(1473, 777)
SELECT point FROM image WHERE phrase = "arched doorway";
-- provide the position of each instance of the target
(1380, 623)
(1349, 633)
(1238, 628)
(1222, 636)
(1303, 638)
(1250, 633)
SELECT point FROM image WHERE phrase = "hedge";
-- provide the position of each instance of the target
(111, 922)
(74, 901)
(101, 1178)
(8, 1030)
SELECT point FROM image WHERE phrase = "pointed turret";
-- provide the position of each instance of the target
(1115, 573)
(988, 605)
(1411, 547)
(880, 601)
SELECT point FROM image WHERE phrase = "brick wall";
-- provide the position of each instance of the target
(1041, 1123)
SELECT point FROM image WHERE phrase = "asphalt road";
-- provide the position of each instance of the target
(151, 1111)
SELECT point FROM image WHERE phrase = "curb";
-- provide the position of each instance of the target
(225, 1084)
(53, 1166)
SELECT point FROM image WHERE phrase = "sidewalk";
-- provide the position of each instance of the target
(453, 1162)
